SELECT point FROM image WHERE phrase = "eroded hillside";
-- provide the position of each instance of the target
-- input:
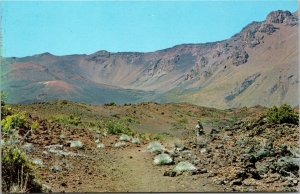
(258, 65)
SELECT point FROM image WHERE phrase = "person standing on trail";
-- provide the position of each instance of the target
(199, 129)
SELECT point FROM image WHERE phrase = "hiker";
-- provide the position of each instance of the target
(199, 129)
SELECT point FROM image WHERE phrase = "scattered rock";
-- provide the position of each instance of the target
(267, 28)
(37, 161)
(249, 182)
(170, 173)
(202, 170)
(46, 188)
(239, 57)
(212, 174)
(203, 151)
(2, 142)
(100, 145)
(236, 182)
(220, 146)
(56, 168)
(28, 148)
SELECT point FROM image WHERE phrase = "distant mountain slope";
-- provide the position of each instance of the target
(258, 65)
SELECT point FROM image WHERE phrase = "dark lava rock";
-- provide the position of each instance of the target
(248, 158)
(239, 57)
(170, 173)
(254, 173)
(212, 174)
(236, 182)
(267, 28)
(279, 16)
(202, 170)
(55, 168)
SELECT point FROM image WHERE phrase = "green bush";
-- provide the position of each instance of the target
(282, 114)
(183, 121)
(110, 104)
(35, 125)
(117, 128)
(68, 120)
(13, 121)
(17, 171)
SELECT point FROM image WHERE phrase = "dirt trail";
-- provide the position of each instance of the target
(131, 170)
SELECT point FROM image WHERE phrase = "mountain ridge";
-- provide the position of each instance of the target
(194, 69)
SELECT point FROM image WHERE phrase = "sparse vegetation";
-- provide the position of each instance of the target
(282, 114)
(124, 137)
(117, 128)
(110, 104)
(183, 121)
(18, 172)
(11, 122)
(156, 147)
(68, 120)
(4, 109)
(136, 141)
(35, 125)
(184, 167)
(162, 159)
(156, 137)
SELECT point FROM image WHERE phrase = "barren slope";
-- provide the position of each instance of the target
(258, 65)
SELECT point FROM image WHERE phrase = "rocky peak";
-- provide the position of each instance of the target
(281, 16)
(44, 54)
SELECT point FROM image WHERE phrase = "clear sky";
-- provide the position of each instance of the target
(62, 28)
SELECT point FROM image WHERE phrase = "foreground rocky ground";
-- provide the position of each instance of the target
(246, 154)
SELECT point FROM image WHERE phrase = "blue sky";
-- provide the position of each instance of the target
(76, 27)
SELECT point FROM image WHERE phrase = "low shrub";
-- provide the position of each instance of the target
(136, 141)
(5, 110)
(155, 147)
(183, 121)
(124, 137)
(35, 125)
(110, 104)
(68, 120)
(283, 114)
(156, 137)
(162, 159)
(13, 121)
(117, 128)
(17, 172)
(184, 167)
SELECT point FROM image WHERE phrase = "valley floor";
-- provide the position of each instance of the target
(240, 151)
